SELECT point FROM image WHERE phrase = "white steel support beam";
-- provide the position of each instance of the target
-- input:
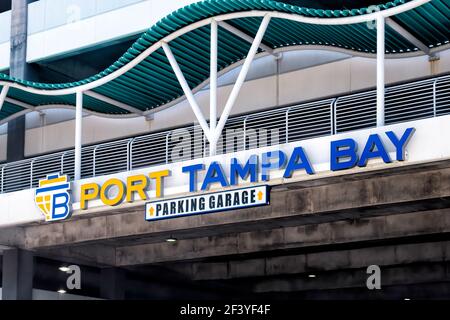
(247, 38)
(113, 102)
(241, 78)
(21, 104)
(230, 16)
(187, 90)
(408, 36)
(380, 70)
(3, 95)
(213, 85)
(78, 133)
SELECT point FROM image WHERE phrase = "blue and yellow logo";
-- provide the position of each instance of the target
(53, 197)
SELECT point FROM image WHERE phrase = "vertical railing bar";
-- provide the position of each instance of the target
(35, 164)
(245, 132)
(287, 124)
(205, 144)
(332, 124)
(131, 153)
(31, 173)
(62, 162)
(335, 114)
(130, 141)
(434, 98)
(94, 162)
(3, 175)
(167, 148)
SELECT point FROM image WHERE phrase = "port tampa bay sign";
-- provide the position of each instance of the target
(229, 175)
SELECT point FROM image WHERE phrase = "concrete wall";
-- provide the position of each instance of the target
(60, 27)
(72, 35)
(3, 147)
(334, 78)
(5, 35)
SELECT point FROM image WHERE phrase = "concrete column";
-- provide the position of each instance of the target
(18, 69)
(112, 284)
(18, 271)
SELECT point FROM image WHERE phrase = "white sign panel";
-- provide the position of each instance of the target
(207, 203)
(130, 189)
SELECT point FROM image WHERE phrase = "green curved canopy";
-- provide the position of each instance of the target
(152, 83)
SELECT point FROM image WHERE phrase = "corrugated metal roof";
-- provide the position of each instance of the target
(152, 83)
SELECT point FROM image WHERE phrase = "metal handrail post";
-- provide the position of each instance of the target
(167, 148)
(94, 154)
(31, 173)
(129, 155)
(245, 132)
(434, 98)
(335, 115)
(287, 124)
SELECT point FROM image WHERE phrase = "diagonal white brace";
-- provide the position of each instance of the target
(247, 38)
(113, 102)
(3, 95)
(187, 90)
(408, 36)
(241, 78)
(21, 104)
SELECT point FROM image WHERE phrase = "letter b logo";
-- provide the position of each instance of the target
(61, 208)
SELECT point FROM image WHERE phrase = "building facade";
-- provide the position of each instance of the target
(220, 149)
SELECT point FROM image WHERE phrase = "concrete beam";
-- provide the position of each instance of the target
(363, 231)
(404, 275)
(95, 255)
(12, 237)
(379, 195)
(318, 263)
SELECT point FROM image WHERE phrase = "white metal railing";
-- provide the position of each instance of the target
(406, 102)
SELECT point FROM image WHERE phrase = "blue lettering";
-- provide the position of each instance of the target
(250, 169)
(192, 170)
(400, 145)
(214, 175)
(60, 208)
(345, 148)
(294, 164)
(374, 149)
(268, 164)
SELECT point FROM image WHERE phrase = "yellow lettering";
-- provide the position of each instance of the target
(120, 193)
(89, 191)
(158, 176)
(136, 184)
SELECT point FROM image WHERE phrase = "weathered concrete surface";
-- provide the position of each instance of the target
(349, 278)
(337, 235)
(366, 230)
(19, 68)
(319, 263)
(352, 199)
